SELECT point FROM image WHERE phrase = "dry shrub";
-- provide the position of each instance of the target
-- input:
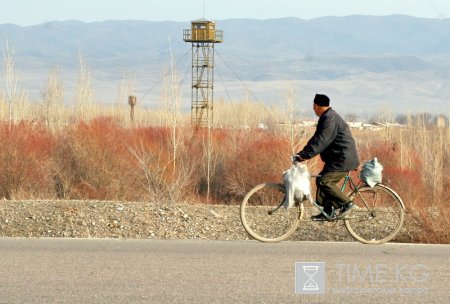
(250, 158)
(92, 161)
(415, 162)
(165, 173)
(25, 157)
(101, 159)
(238, 161)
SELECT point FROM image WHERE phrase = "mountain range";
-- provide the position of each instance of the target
(364, 63)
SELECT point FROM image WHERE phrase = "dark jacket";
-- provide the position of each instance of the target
(334, 142)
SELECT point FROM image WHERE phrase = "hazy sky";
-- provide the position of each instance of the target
(28, 12)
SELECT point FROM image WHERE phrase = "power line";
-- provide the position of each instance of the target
(184, 76)
(237, 76)
(160, 80)
(244, 85)
(226, 90)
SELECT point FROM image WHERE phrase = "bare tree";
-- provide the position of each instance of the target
(155, 173)
(291, 130)
(351, 117)
(84, 99)
(10, 79)
(210, 161)
(53, 95)
(171, 118)
(401, 119)
(172, 107)
(17, 99)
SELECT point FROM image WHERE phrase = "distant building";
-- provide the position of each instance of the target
(263, 126)
(441, 121)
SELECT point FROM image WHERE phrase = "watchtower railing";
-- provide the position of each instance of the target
(203, 35)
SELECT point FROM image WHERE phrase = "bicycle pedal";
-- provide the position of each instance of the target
(319, 220)
(322, 219)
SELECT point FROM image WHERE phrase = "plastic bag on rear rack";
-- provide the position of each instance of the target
(371, 172)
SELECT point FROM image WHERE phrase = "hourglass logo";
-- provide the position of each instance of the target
(310, 278)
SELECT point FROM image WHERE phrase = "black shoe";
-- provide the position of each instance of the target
(346, 209)
(321, 216)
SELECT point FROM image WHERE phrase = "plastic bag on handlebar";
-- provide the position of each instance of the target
(297, 182)
(371, 172)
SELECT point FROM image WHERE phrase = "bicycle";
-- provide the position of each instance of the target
(376, 218)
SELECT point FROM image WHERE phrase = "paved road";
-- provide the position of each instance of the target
(149, 271)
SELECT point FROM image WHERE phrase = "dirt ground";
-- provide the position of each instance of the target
(109, 219)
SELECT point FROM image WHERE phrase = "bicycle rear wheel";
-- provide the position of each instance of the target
(261, 220)
(378, 215)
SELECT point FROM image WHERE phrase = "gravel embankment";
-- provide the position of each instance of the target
(106, 219)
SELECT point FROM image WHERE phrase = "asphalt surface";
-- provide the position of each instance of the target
(188, 271)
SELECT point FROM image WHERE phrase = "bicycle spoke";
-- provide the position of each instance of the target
(379, 216)
(263, 215)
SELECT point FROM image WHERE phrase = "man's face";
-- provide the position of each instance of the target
(316, 109)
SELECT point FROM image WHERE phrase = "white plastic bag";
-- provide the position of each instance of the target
(297, 181)
(371, 172)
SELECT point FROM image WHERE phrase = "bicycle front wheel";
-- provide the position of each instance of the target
(377, 216)
(261, 218)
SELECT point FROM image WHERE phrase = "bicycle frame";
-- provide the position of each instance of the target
(347, 180)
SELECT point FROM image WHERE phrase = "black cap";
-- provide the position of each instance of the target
(322, 100)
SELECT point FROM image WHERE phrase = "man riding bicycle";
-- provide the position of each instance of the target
(334, 142)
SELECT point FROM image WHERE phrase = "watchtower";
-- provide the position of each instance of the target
(203, 36)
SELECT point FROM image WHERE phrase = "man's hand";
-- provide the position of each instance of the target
(296, 159)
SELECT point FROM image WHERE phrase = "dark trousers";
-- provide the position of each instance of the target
(328, 193)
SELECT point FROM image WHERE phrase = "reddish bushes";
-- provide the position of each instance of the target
(95, 160)
(25, 158)
(239, 160)
(256, 160)
(103, 160)
(92, 161)
(247, 159)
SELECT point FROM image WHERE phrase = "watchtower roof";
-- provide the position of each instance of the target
(201, 20)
